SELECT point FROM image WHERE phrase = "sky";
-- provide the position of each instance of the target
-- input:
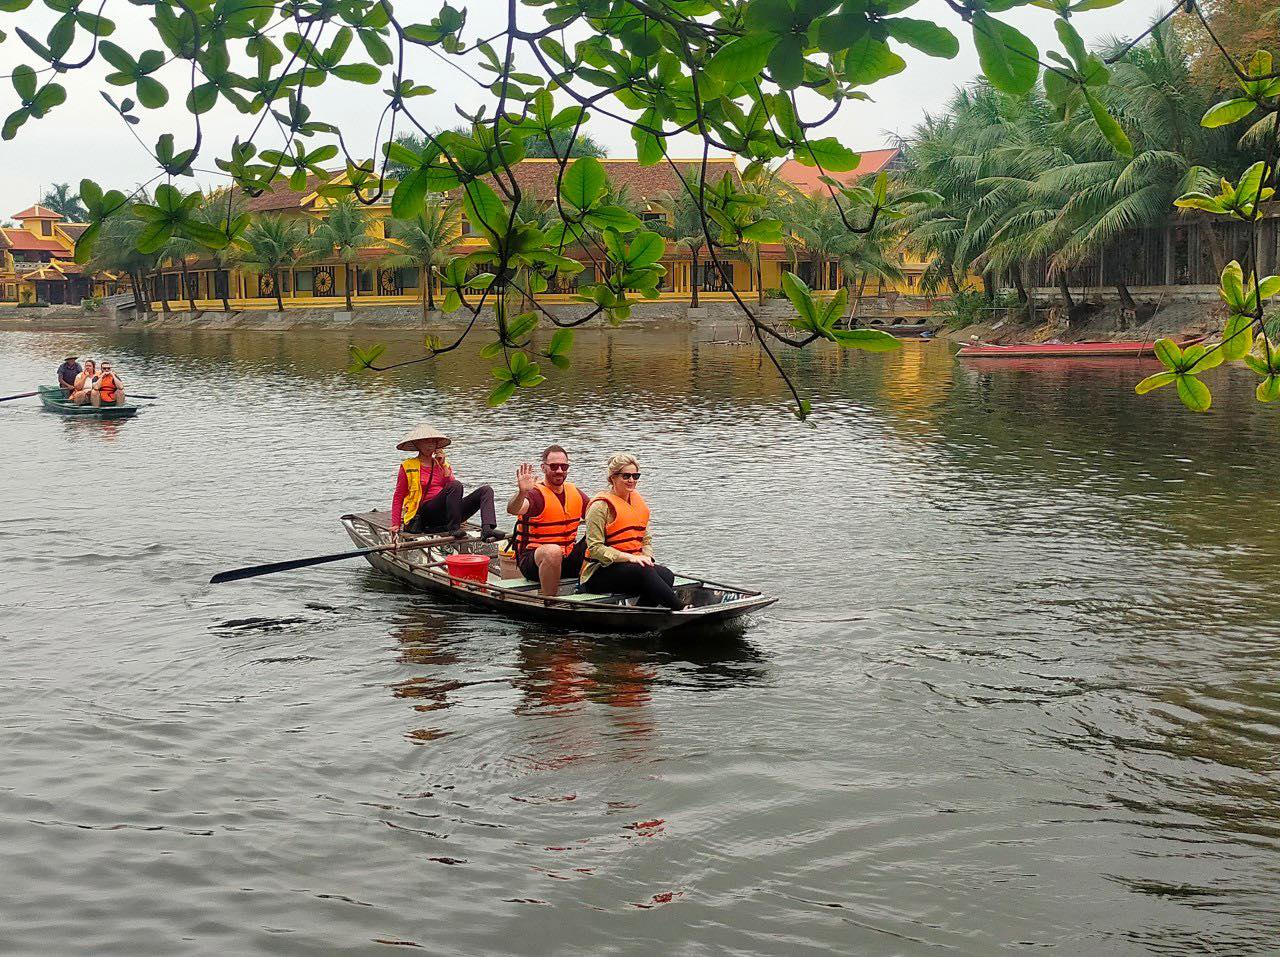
(84, 137)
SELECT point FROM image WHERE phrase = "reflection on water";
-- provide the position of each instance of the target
(1022, 688)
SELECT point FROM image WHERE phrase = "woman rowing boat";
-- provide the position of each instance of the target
(428, 498)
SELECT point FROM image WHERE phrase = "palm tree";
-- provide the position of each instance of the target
(685, 227)
(270, 244)
(539, 147)
(60, 198)
(425, 242)
(343, 232)
(117, 251)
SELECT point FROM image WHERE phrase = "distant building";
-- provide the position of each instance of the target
(37, 261)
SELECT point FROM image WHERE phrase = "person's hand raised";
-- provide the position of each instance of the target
(525, 478)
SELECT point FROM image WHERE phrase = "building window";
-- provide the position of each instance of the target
(366, 281)
(46, 228)
(653, 218)
(409, 277)
(303, 280)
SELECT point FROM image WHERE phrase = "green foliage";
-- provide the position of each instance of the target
(820, 319)
(725, 71)
(1182, 370)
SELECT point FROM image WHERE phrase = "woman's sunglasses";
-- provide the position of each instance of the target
(628, 475)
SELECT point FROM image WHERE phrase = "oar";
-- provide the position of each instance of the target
(132, 395)
(253, 571)
(20, 395)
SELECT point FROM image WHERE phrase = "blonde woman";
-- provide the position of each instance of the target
(619, 558)
(84, 383)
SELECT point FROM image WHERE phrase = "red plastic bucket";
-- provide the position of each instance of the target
(470, 567)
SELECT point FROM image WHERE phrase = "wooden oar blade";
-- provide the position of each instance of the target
(253, 571)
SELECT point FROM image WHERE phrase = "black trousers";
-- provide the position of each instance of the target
(652, 584)
(449, 508)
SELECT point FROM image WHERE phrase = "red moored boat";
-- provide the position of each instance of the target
(1050, 350)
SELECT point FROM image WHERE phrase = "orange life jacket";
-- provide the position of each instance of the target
(107, 386)
(556, 524)
(630, 522)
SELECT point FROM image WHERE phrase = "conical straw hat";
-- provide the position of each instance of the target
(423, 431)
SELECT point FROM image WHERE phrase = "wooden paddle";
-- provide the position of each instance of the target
(20, 395)
(253, 571)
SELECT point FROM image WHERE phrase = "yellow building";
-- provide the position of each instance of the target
(37, 261)
(322, 281)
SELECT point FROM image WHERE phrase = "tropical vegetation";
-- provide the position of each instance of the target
(723, 71)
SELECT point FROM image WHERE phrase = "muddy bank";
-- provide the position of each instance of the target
(1108, 324)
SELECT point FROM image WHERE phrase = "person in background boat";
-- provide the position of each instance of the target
(84, 383)
(428, 498)
(619, 558)
(549, 513)
(67, 373)
(107, 389)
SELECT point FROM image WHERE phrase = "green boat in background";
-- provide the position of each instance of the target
(55, 399)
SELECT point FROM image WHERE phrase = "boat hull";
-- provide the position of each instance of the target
(1066, 350)
(714, 605)
(54, 399)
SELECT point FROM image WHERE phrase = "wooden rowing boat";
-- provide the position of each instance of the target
(710, 603)
(1055, 350)
(55, 399)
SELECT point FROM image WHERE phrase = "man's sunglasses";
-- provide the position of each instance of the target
(557, 467)
(628, 475)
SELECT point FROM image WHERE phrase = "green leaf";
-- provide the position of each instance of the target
(614, 216)
(12, 123)
(501, 394)
(1194, 394)
(1268, 389)
(485, 211)
(801, 297)
(561, 342)
(645, 249)
(1157, 381)
(365, 73)
(925, 35)
(869, 60)
(1106, 123)
(1232, 286)
(741, 58)
(1009, 58)
(869, 340)
(363, 359)
(1237, 338)
(202, 98)
(828, 153)
(1228, 112)
(24, 82)
(151, 93)
(1268, 287)
(786, 61)
(584, 182)
(1167, 351)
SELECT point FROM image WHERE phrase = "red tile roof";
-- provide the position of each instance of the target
(280, 198)
(22, 240)
(538, 177)
(73, 230)
(809, 178)
(37, 212)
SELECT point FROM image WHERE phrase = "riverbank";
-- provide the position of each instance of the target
(1109, 324)
(715, 319)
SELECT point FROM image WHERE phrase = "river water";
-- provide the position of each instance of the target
(1021, 691)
